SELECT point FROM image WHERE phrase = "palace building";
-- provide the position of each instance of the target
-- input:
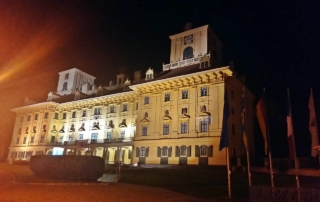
(173, 117)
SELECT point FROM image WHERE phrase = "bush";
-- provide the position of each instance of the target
(67, 167)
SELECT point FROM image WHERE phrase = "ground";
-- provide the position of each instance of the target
(139, 184)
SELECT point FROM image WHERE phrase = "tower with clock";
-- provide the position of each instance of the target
(195, 43)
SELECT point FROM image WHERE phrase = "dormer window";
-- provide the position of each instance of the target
(149, 74)
(66, 77)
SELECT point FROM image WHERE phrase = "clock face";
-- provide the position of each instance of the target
(188, 39)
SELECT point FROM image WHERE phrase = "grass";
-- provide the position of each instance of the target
(202, 182)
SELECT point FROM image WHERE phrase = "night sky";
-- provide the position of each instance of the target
(275, 44)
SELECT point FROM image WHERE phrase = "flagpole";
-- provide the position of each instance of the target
(246, 139)
(268, 139)
(229, 173)
(294, 148)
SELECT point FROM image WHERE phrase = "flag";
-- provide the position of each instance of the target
(290, 130)
(313, 126)
(243, 119)
(224, 141)
(262, 119)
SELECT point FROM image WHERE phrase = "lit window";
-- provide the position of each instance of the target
(109, 133)
(184, 127)
(144, 130)
(124, 107)
(184, 94)
(204, 126)
(94, 136)
(36, 117)
(146, 100)
(167, 97)
(122, 134)
(204, 91)
(165, 129)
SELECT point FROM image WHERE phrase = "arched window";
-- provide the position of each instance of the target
(188, 53)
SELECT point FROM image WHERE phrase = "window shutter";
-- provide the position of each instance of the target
(129, 154)
(147, 152)
(137, 152)
(210, 151)
(170, 152)
(159, 152)
(123, 155)
(177, 151)
(197, 151)
(189, 151)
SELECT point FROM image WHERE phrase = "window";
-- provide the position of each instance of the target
(18, 140)
(80, 136)
(142, 151)
(188, 53)
(84, 113)
(165, 129)
(203, 108)
(24, 140)
(184, 127)
(203, 126)
(21, 119)
(65, 86)
(124, 107)
(29, 118)
(233, 129)
(46, 115)
(146, 100)
(203, 150)
(66, 77)
(36, 117)
(122, 134)
(94, 136)
(64, 115)
(111, 109)
(61, 139)
(166, 113)
(136, 105)
(184, 110)
(56, 115)
(109, 133)
(70, 138)
(73, 114)
(42, 139)
(167, 97)
(144, 130)
(27, 130)
(149, 76)
(184, 94)
(164, 151)
(204, 91)
(97, 111)
(183, 151)
(32, 139)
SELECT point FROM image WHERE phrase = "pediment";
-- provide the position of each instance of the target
(122, 125)
(184, 116)
(165, 118)
(144, 120)
(205, 114)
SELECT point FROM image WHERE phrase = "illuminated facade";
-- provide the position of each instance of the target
(174, 117)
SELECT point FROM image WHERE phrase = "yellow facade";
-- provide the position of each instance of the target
(175, 118)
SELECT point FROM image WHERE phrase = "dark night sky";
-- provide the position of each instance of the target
(274, 44)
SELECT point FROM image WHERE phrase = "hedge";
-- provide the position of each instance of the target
(67, 167)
